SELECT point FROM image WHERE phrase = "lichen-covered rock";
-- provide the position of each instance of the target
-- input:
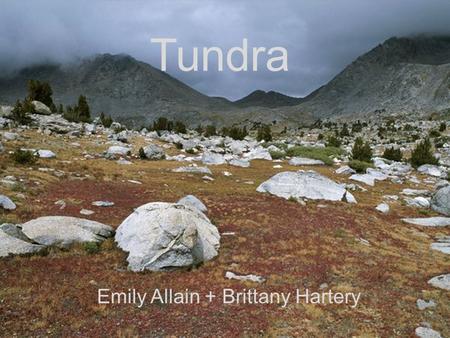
(160, 236)
(63, 231)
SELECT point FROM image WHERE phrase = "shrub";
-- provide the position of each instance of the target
(161, 123)
(21, 112)
(190, 151)
(41, 91)
(235, 133)
(443, 127)
(361, 151)
(78, 113)
(322, 154)
(23, 157)
(276, 155)
(359, 166)
(264, 133)
(84, 112)
(179, 127)
(199, 129)
(393, 154)
(333, 141)
(141, 153)
(423, 154)
(91, 247)
(344, 131)
(106, 120)
(210, 130)
(434, 133)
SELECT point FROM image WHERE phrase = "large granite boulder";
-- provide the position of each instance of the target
(115, 151)
(440, 201)
(303, 184)
(41, 108)
(161, 236)
(153, 152)
(63, 231)
(212, 158)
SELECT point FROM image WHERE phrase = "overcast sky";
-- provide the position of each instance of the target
(321, 36)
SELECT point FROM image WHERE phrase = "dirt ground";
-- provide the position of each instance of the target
(289, 244)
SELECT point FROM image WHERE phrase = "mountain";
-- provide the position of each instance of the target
(271, 99)
(400, 76)
(121, 86)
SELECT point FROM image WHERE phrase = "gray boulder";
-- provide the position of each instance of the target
(192, 201)
(441, 282)
(154, 152)
(41, 108)
(46, 154)
(304, 161)
(303, 184)
(114, 151)
(345, 170)
(62, 231)
(161, 236)
(6, 203)
(8, 136)
(240, 163)
(429, 222)
(430, 170)
(440, 201)
(212, 158)
(193, 170)
(15, 245)
(5, 111)
(426, 332)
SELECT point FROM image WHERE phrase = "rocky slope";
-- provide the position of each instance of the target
(121, 86)
(402, 75)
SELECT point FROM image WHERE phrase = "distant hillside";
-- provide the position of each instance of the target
(121, 86)
(270, 99)
(402, 75)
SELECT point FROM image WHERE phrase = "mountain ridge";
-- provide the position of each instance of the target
(398, 76)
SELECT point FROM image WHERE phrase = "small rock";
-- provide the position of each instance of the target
(425, 332)
(442, 281)
(423, 304)
(6, 203)
(383, 208)
(251, 278)
(103, 204)
(86, 212)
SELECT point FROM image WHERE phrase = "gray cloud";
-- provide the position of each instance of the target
(321, 36)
